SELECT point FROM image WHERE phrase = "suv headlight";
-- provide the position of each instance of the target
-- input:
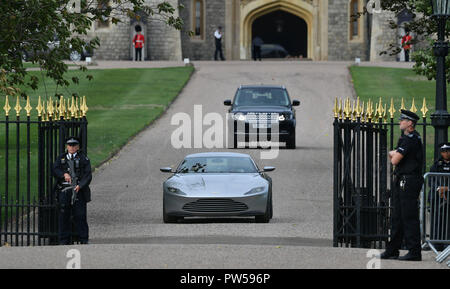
(255, 190)
(239, 116)
(281, 117)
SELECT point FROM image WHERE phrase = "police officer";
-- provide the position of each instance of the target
(73, 173)
(408, 180)
(440, 227)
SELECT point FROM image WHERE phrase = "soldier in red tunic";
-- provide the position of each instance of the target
(138, 42)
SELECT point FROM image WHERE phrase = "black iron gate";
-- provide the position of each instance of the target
(362, 173)
(28, 207)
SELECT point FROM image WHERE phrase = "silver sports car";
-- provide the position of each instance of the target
(217, 184)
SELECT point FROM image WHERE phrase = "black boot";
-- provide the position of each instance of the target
(389, 255)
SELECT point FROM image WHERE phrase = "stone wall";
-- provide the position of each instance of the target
(162, 41)
(382, 36)
(203, 49)
(339, 45)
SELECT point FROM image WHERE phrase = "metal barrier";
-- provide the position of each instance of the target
(435, 214)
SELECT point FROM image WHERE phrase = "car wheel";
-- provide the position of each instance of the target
(267, 215)
(290, 143)
(75, 56)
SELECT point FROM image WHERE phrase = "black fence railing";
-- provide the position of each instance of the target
(28, 207)
(362, 174)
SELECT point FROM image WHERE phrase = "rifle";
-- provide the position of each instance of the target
(74, 182)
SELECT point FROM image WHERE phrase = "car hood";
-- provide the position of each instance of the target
(216, 185)
(267, 109)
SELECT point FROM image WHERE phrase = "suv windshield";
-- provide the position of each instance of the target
(217, 165)
(261, 96)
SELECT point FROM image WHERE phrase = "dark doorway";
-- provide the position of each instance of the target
(283, 29)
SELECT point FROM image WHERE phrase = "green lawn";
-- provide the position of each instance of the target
(121, 103)
(397, 83)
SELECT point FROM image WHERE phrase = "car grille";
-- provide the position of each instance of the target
(215, 206)
(262, 117)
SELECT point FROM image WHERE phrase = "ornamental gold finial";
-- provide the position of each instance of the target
(39, 107)
(61, 107)
(385, 112)
(363, 113)
(50, 108)
(28, 107)
(84, 108)
(403, 104)
(7, 108)
(347, 111)
(413, 107)
(380, 108)
(73, 108)
(340, 109)
(18, 108)
(358, 108)
(392, 109)
(424, 109)
(369, 110)
(335, 108)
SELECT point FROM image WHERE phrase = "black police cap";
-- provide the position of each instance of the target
(73, 141)
(409, 115)
(444, 147)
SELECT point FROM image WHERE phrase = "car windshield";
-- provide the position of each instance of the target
(217, 165)
(261, 96)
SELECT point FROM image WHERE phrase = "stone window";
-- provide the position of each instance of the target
(355, 23)
(198, 19)
(103, 23)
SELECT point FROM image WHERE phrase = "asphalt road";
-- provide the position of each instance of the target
(125, 216)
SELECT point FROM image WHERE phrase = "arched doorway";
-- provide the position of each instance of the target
(284, 30)
(297, 10)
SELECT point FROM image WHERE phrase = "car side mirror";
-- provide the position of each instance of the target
(268, 169)
(295, 103)
(166, 170)
(227, 102)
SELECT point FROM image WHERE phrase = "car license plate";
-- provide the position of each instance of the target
(261, 125)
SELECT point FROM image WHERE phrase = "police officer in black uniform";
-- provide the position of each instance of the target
(408, 181)
(441, 224)
(73, 173)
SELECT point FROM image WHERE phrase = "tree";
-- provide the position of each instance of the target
(423, 26)
(32, 26)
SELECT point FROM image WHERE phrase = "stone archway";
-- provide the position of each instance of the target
(258, 8)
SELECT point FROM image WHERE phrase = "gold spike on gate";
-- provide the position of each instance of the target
(424, 109)
(380, 109)
(403, 104)
(50, 108)
(28, 107)
(18, 108)
(7, 108)
(61, 107)
(369, 110)
(413, 106)
(72, 108)
(385, 112)
(347, 110)
(39, 107)
(340, 109)
(335, 108)
(363, 113)
(358, 108)
(392, 109)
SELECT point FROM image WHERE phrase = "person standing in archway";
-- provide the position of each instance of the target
(406, 44)
(218, 37)
(138, 42)
(257, 43)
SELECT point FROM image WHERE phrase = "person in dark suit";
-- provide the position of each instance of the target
(73, 173)
(218, 39)
(257, 43)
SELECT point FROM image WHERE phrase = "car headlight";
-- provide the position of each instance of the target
(255, 190)
(281, 117)
(239, 116)
(175, 191)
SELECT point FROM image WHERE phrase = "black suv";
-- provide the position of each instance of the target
(259, 107)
